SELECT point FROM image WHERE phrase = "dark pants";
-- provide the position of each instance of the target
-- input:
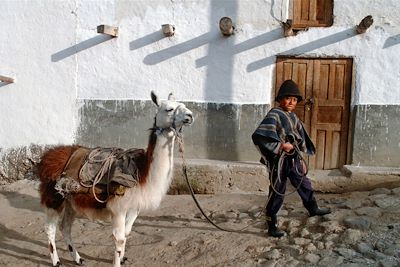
(288, 170)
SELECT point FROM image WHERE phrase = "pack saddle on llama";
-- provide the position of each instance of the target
(109, 184)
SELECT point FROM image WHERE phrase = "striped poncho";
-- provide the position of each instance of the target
(277, 127)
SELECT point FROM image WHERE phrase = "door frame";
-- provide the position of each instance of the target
(351, 111)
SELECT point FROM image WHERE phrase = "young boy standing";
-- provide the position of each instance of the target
(280, 139)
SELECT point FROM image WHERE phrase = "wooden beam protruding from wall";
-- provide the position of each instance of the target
(364, 24)
(6, 79)
(288, 28)
(226, 26)
(109, 30)
(168, 29)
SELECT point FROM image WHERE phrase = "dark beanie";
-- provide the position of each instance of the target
(288, 88)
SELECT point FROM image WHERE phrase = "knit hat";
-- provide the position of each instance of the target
(288, 88)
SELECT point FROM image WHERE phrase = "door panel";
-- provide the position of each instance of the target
(299, 71)
(325, 86)
(312, 13)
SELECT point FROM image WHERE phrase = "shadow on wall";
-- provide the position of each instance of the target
(391, 41)
(207, 38)
(3, 84)
(178, 49)
(219, 74)
(70, 51)
(305, 48)
(252, 43)
(146, 40)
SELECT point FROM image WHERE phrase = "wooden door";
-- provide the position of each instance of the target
(325, 85)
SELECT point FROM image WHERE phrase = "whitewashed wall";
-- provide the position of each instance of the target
(53, 50)
(40, 107)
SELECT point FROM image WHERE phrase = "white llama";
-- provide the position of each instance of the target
(154, 169)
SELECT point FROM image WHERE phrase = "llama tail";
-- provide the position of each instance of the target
(49, 170)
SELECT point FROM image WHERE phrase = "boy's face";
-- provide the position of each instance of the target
(288, 103)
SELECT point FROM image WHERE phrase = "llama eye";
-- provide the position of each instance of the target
(169, 110)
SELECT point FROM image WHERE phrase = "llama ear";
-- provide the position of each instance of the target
(155, 99)
(171, 96)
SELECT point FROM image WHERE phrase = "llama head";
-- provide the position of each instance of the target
(171, 114)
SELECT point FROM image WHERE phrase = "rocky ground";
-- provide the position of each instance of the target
(363, 230)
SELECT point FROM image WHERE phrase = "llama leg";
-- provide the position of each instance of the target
(130, 219)
(65, 227)
(51, 229)
(118, 225)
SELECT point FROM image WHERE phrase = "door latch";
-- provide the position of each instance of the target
(309, 102)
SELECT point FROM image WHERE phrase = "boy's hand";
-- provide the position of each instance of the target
(287, 147)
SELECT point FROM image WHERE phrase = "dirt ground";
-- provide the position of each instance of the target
(175, 234)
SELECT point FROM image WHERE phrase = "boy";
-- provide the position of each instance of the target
(280, 138)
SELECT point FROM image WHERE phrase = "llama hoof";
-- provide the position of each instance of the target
(124, 259)
(81, 262)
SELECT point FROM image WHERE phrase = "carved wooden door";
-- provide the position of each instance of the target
(325, 85)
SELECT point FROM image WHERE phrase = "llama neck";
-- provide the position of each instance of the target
(161, 158)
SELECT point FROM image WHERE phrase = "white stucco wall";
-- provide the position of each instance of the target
(40, 107)
(58, 59)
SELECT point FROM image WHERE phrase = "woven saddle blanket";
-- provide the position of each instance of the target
(104, 166)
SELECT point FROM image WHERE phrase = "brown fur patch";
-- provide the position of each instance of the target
(49, 169)
(85, 201)
(53, 162)
(49, 197)
(145, 162)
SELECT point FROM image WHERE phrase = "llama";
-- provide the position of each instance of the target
(154, 168)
